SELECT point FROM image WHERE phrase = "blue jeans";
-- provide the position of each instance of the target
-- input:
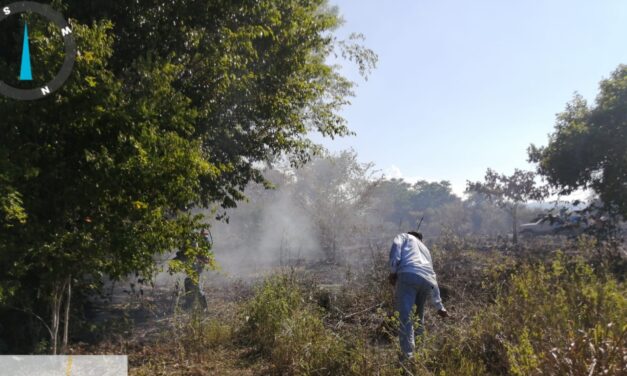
(411, 289)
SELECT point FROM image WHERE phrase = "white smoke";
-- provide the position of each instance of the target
(270, 230)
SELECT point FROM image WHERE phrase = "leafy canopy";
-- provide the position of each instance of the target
(588, 148)
(508, 191)
(172, 104)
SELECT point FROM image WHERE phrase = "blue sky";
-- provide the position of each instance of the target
(466, 85)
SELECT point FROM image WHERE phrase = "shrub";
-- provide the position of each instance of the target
(194, 335)
(558, 307)
(289, 330)
(274, 302)
(561, 319)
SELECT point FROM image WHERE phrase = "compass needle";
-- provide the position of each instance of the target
(38, 90)
(25, 72)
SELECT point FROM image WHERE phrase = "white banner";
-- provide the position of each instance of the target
(63, 365)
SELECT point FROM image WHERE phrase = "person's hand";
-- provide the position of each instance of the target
(392, 278)
(443, 313)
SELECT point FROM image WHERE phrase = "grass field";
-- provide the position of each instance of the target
(550, 307)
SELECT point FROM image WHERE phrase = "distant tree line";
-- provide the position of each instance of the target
(336, 204)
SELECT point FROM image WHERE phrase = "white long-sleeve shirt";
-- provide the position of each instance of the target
(410, 255)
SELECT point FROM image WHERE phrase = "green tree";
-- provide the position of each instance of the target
(432, 194)
(172, 105)
(403, 204)
(484, 216)
(588, 148)
(509, 192)
(392, 202)
(336, 192)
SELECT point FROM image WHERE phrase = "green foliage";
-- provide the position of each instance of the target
(564, 319)
(509, 192)
(171, 105)
(521, 356)
(255, 70)
(291, 333)
(11, 208)
(588, 148)
(303, 346)
(403, 203)
(275, 301)
(560, 306)
(196, 335)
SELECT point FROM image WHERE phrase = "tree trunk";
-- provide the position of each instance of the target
(66, 319)
(57, 297)
(515, 224)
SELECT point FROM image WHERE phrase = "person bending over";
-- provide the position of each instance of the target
(411, 271)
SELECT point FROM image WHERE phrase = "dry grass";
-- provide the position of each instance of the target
(531, 310)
